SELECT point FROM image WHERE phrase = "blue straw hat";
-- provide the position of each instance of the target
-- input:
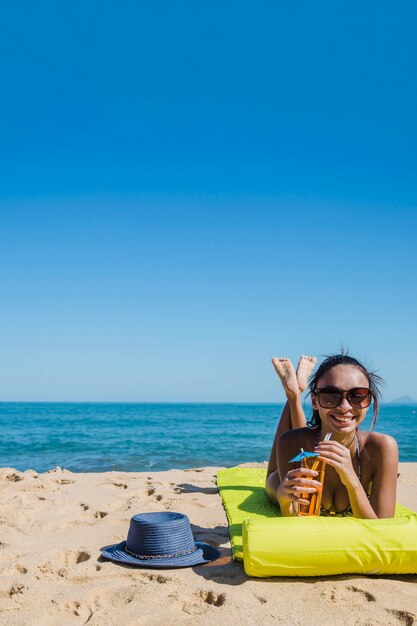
(160, 540)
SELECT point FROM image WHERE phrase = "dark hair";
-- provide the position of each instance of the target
(343, 358)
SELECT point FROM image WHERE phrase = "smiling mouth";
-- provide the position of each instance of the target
(343, 420)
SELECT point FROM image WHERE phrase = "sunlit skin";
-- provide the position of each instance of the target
(378, 453)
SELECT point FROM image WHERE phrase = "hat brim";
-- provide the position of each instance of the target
(203, 554)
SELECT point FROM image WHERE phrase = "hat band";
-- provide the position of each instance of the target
(146, 557)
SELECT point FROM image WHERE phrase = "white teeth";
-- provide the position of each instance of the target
(342, 419)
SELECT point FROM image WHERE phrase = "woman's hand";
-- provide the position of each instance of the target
(336, 455)
(295, 484)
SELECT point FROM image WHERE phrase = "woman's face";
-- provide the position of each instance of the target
(344, 418)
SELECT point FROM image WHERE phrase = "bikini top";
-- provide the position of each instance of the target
(347, 512)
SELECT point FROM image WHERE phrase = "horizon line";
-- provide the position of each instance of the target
(279, 402)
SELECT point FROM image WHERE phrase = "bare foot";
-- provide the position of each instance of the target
(285, 370)
(304, 368)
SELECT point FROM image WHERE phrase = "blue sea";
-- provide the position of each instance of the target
(99, 437)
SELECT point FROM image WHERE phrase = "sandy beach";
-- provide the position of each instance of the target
(53, 525)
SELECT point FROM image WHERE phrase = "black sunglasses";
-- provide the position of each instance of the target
(331, 397)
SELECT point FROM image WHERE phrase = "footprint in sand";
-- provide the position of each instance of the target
(80, 610)
(66, 558)
(64, 481)
(130, 503)
(261, 599)
(368, 596)
(91, 515)
(118, 596)
(340, 597)
(212, 598)
(14, 478)
(15, 568)
(79, 557)
(159, 578)
(191, 608)
(34, 488)
(16, 589)
(151, 489)
(403, 617)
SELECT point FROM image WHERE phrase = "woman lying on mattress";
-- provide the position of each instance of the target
(361, 467)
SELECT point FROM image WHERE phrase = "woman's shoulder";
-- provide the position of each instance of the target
(289, 445)
(378, 442)
(299, 436)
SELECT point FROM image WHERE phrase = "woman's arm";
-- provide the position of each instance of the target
(384, 481)
(383, 453)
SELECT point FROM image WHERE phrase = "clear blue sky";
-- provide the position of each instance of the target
(188, 189)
